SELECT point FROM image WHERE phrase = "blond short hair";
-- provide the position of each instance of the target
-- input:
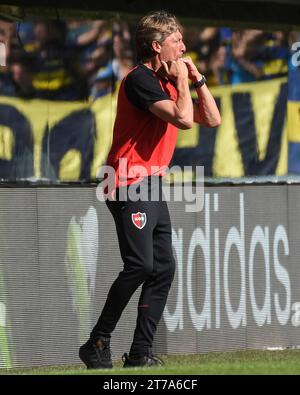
(156, 26)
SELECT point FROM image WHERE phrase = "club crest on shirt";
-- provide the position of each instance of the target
(139, 219)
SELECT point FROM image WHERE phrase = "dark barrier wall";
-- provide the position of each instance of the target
(236, 287)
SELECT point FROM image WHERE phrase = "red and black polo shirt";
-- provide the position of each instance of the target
(144, 142)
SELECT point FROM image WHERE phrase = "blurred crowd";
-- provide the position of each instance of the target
(85, 60)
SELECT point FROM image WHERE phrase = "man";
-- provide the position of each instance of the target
(154, 101)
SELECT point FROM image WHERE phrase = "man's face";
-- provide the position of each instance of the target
(172, 48)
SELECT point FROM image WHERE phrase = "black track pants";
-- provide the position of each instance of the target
(145, 241)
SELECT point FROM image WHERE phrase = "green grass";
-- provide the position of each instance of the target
(239, 362)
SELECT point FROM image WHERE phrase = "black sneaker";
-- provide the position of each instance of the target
(96, 355)
(146, 360)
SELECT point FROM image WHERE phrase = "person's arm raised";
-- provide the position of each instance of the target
(180, 113)
(206, 111)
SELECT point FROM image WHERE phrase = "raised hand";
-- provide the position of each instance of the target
(175, 69)
(193, 72)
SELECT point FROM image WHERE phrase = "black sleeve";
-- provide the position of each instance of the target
(143, 89)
